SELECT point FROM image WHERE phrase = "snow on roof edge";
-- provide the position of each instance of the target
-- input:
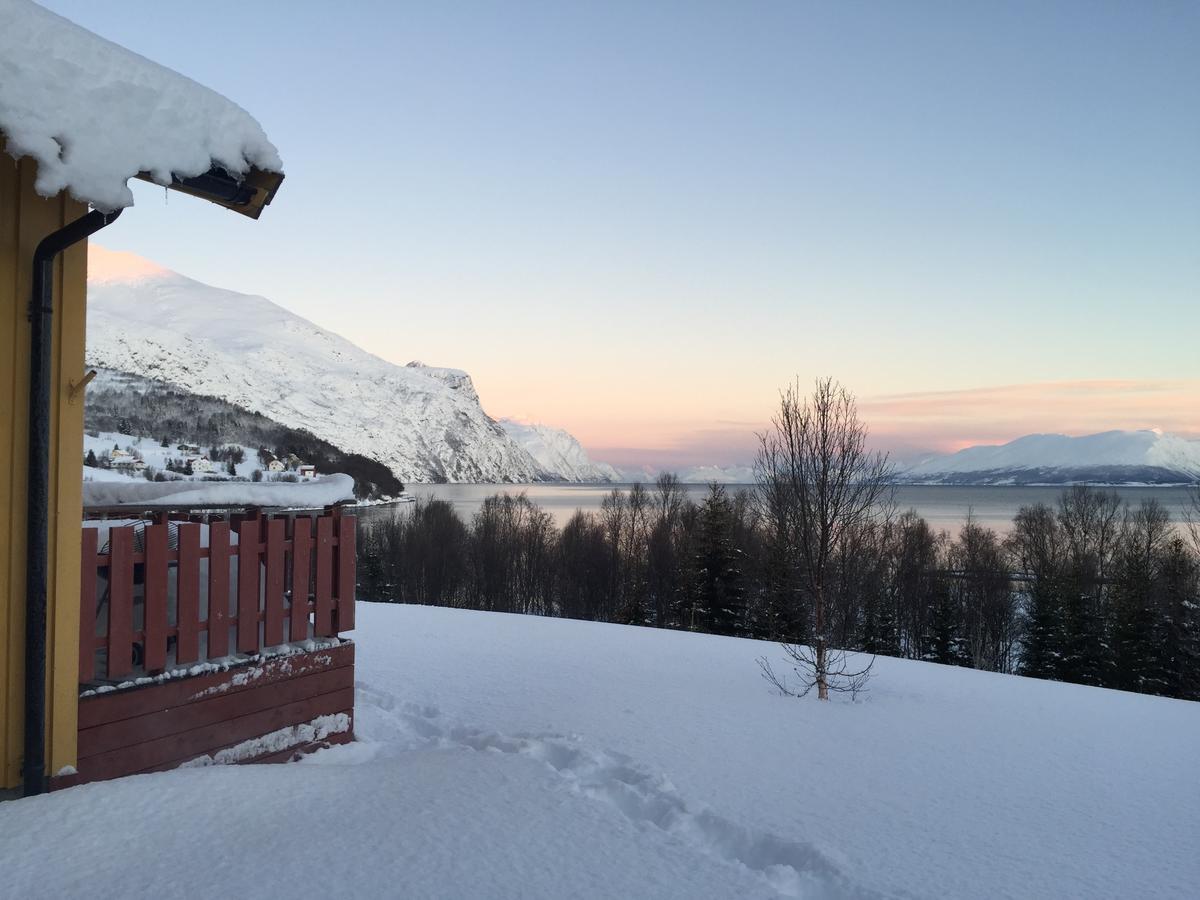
(93, 114)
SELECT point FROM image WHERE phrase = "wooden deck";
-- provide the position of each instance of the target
(213, 639)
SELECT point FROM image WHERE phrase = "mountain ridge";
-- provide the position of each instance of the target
(557, 450)
(425, 423)
(1145, 456)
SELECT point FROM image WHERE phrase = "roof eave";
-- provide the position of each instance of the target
(247, 195)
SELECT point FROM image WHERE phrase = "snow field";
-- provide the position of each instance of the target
(511, 756)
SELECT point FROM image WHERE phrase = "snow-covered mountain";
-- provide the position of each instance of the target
(733, 474)
(424, 423)
(720, 474)
(1111, 457)
(558, 451)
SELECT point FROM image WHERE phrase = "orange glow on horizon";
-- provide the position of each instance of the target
(117, 265)
(660, 411)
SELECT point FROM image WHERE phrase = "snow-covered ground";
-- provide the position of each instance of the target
(510, 756)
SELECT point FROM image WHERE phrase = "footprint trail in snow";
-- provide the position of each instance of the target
(792, 868)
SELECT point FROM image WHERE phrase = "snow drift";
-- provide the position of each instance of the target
(325, 490)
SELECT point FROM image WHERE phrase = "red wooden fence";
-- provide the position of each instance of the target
(293, 581)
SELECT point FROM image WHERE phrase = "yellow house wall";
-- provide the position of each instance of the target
(25, 219)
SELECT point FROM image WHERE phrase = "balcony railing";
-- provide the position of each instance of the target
(169, 592)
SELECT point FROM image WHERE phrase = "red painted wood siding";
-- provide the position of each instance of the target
(160, 726)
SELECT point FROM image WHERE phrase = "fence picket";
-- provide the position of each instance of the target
(87, 605)
(120, 602)
(323, 614)
(187, 581)
(344, 615)
(154, 607)
(301, 576)
(247, 596)
(218, 589)
(273, 597)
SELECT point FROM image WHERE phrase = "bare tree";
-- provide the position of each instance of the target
(818, 489)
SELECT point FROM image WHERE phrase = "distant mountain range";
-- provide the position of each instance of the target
(734, 474)
(1111, 457)
(424, 423)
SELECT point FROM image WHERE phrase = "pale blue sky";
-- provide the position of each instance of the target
(638, 220)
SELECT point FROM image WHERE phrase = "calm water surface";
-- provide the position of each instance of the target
(944, 507)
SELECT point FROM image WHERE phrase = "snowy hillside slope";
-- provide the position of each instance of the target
(425, 424)
(558, 451)
(156, 457)
(1111, 457)
(515, 756)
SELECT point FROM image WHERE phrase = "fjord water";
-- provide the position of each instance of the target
(943, 506)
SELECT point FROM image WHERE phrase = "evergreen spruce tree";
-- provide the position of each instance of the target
(947, 637)
(1179, 653)
(718, 594)
(1042, 647)
(782, 617)
(887, 634)
(880, 633)
(90, 459)
(1085, 655)
(1135, 630)
(634, 609)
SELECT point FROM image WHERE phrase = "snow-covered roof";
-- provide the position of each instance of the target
(93, 114)
(324, 491)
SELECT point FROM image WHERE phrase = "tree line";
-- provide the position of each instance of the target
(1088, 590)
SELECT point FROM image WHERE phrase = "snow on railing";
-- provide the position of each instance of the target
(171, 592)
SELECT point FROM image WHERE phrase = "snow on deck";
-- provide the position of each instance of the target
(93, 114)
(325, 490)
(511, 756)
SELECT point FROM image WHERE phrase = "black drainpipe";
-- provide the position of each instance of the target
(41, 311)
